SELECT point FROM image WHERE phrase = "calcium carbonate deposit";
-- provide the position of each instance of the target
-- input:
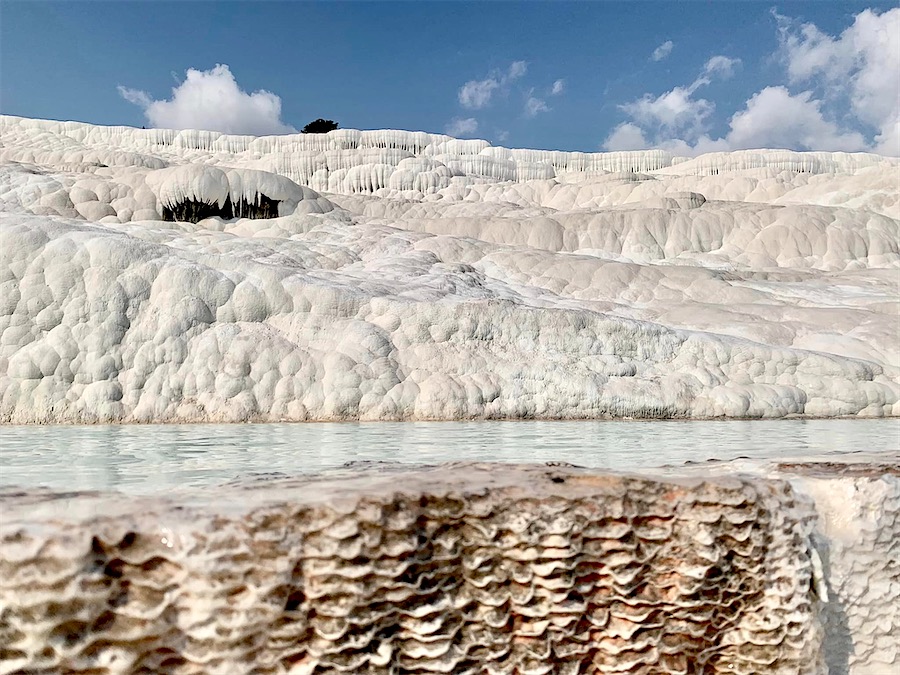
(462, 569)
(156, 275)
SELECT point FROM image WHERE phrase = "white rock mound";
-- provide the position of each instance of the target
(153, 275)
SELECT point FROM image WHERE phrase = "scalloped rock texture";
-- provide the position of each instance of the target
(463, 569)
(438, 279)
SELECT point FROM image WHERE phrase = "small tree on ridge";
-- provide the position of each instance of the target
(319, 126)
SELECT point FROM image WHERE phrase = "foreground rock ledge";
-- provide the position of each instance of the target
(462, 568)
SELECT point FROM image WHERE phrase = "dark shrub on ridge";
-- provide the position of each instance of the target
(319, 126)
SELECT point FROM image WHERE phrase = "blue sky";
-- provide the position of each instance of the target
(689, 76)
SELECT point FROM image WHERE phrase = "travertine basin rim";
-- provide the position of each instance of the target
(344, 487)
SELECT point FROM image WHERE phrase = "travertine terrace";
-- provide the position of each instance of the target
(157, 276)
(397, 275)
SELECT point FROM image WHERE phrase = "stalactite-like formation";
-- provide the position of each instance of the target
(348, 161)
(261, 207)
(193, 210)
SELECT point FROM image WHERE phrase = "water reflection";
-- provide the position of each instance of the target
(148, 459)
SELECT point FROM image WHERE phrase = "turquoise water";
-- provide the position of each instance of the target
(154, 458)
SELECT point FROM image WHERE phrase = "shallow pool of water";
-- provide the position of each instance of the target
(154, 458)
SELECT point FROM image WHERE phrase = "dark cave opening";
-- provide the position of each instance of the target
(193, 211)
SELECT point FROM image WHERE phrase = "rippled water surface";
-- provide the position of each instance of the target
(153, 458)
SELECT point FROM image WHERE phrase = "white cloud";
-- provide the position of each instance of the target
(717, 66)
(477, 94)
(558, 87)
(516, 70)
(772, 118)
(662, 51)
(850, 83)
(671, 117)
(459, 127)
(859, 69)
(775, 118)
(212, 100)
(502, 135)
(675, 111)
(807, 51)
(722, 66)
(626, 136)
(533, 106)
(135, 96)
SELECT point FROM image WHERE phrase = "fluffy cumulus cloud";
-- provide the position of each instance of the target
(477, 94)
(842, 93)
(860, 67)
(776, 118)
(675, 114)
(675, 111)
(662, 51)
(558, 87)
(459, 127)
(212, 100)
(626, 136)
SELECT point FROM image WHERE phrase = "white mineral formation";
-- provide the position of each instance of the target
(156, 275)
(462, 569)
